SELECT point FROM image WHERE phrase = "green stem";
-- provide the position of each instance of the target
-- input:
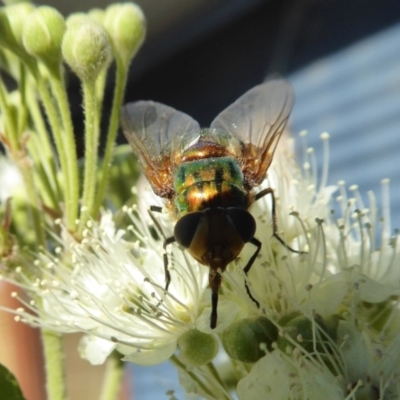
(91, 144)
(193, 376)
(45, 188)
(33, 200)
(60, 94)
(100, 85)
(55, 369)
(61, 148)
(121, 77)
(18, 154)
(10, 123)
(22, 109)
(47, 158)
(215, 374)
(113, 378)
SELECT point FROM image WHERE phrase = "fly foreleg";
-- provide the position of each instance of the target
(274, 219)
(249, 264)
(166, 242)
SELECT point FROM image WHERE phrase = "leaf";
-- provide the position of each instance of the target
(9, 387)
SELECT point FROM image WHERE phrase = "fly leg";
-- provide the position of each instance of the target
(274, 219)
(249, 264)
(166, 242)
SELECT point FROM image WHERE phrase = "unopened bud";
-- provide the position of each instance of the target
(126, 25)
(12, 21)
(197, 348)
(43, 34)
(86, 48)
(247, 339)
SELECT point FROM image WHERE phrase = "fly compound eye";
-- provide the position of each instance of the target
(186, 227)
(244, 223)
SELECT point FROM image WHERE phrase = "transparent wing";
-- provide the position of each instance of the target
(154, 130)
(257, 119)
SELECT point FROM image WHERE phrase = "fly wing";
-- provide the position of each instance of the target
(257, 119)
(154, 130)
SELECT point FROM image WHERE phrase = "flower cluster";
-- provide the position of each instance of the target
(47, 194)
(318, 319)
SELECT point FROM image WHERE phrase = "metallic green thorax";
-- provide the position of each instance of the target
(209, 182)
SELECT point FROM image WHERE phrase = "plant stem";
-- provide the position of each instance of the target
(100, 85)
(45, 187)
(55, 125)
(68, 138)
(10, 123)
(55, 372)
(121, 76)
(113, 378)
(22, 109)
(33, 200)
(16, 151)
(215, 374)
(193, 376)
(47, 158)
(91, 144)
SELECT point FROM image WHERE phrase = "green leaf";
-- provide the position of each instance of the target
(9, 387)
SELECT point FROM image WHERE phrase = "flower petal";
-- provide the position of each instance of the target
(154, 356)
(95, 349)
(227, 311)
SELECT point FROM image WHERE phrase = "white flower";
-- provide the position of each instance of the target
(277, 376)
(321, 321)
(113, 290)
(281, 275)
(336, 306)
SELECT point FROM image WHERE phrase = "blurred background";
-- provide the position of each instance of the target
(342, 57)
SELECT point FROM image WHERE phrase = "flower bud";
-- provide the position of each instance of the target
(300, 329)
(126, 26)
(77, 19)
(197, 348)
(86, 48)
(43, 34)
(247, 339)
(98, 15)
(12, 21)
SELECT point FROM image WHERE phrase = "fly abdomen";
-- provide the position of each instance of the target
(211, 182)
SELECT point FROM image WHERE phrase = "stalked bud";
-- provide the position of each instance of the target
(77, 19)
(12, 21)
(98, 15)
(246, 340)
(298, 329)
(43, 34)
(126, 25)
(86, 48)
(197, 348)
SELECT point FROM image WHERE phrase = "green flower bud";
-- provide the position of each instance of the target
(86, 48)
(98, 15)
(126, 26)
(246, 340)
(77, 19)
(301, 330)
(43, 34)
(197, 348)
(12, 21)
